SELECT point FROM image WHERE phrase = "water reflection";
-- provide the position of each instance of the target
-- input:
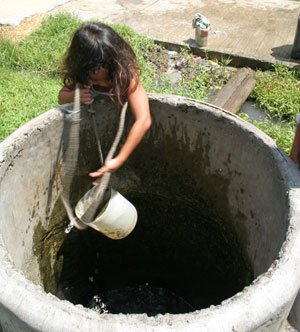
(253, 111)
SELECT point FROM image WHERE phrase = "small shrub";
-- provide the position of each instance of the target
(278, 92)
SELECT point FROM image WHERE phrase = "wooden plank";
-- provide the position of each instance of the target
(240, 95)
(236, 91)
(226, 92)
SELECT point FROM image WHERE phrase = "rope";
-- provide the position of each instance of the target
(89, 214)
(72, 124)
(72, 121)
(91, 111)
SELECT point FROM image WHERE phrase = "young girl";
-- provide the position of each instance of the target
(103, 63)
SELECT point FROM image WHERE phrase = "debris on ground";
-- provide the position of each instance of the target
(184, 65)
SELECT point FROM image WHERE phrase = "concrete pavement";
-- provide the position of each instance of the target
(252, 32)
(13, 12)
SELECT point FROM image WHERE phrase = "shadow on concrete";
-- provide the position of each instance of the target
(282, 53)
(190, 42)
(206, 52)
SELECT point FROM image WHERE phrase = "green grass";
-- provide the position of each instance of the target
(34, 94)
(30, 79)
(278, 93)
(282, 133)
(42, 50)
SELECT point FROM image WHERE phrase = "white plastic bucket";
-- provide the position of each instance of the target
(117, 218)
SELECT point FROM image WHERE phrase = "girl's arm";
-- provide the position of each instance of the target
(139, 104)
(66, 95)
(295, 151)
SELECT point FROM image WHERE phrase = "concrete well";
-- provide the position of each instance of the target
(218, 205)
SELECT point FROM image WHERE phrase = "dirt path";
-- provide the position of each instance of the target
(25, 28)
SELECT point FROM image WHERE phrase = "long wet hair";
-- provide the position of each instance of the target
(96, 46)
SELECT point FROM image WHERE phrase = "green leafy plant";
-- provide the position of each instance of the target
(278, 92)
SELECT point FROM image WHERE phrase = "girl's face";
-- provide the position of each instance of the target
(100, 78)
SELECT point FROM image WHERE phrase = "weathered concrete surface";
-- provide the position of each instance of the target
(13, 13)
(220, 159)
(252, 32)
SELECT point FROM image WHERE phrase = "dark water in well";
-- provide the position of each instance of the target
(140, 299)
(178, 259)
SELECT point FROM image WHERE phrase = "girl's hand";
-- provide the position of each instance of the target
(109, 167)
(66, 95)
(85, 95)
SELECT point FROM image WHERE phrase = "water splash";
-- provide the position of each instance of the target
(69, 228)
(98, 305)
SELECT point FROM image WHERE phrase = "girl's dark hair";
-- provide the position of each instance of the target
(97, 46)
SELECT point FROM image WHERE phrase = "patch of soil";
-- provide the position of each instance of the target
(25, 28)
